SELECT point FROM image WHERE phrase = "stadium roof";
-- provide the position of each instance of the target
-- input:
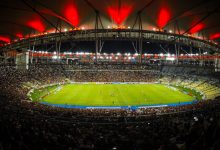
(20, 18)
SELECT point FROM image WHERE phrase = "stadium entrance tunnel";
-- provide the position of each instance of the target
(114, 95)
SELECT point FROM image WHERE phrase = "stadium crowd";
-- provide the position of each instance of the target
(31, 125)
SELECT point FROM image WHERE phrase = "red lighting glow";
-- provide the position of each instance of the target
(71, 14)
(5, 39)
(37, 25)
(215, 36)
(50, 12)
(163, 17)
(119, 14)
(197, 28)
(19, 35)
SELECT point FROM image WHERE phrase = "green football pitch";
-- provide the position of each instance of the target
(110, 95)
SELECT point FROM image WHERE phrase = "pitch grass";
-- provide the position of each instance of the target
(113, 95)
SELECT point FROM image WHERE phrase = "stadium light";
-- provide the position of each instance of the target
(55, 57)
(170, 31)
(129, 27)
(196, 118)
(170, 58)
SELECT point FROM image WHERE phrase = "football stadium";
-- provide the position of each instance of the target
(114, 74)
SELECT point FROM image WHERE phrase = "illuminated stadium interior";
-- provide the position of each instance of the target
(114, 74)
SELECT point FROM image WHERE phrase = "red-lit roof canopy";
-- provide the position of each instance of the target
(20, 18)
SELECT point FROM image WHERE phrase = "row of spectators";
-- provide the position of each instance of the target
(106, 66)
(34, 126)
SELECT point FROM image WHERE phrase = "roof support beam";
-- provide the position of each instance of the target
(181, 13)
(63, 18)
(37, 12)
(97, 20)
(140, 12)
(92, 6)
(146, 6)
(140, 41)
(203, 19)
(140, 37)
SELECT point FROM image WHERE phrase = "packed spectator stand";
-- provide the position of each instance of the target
(29, 125)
